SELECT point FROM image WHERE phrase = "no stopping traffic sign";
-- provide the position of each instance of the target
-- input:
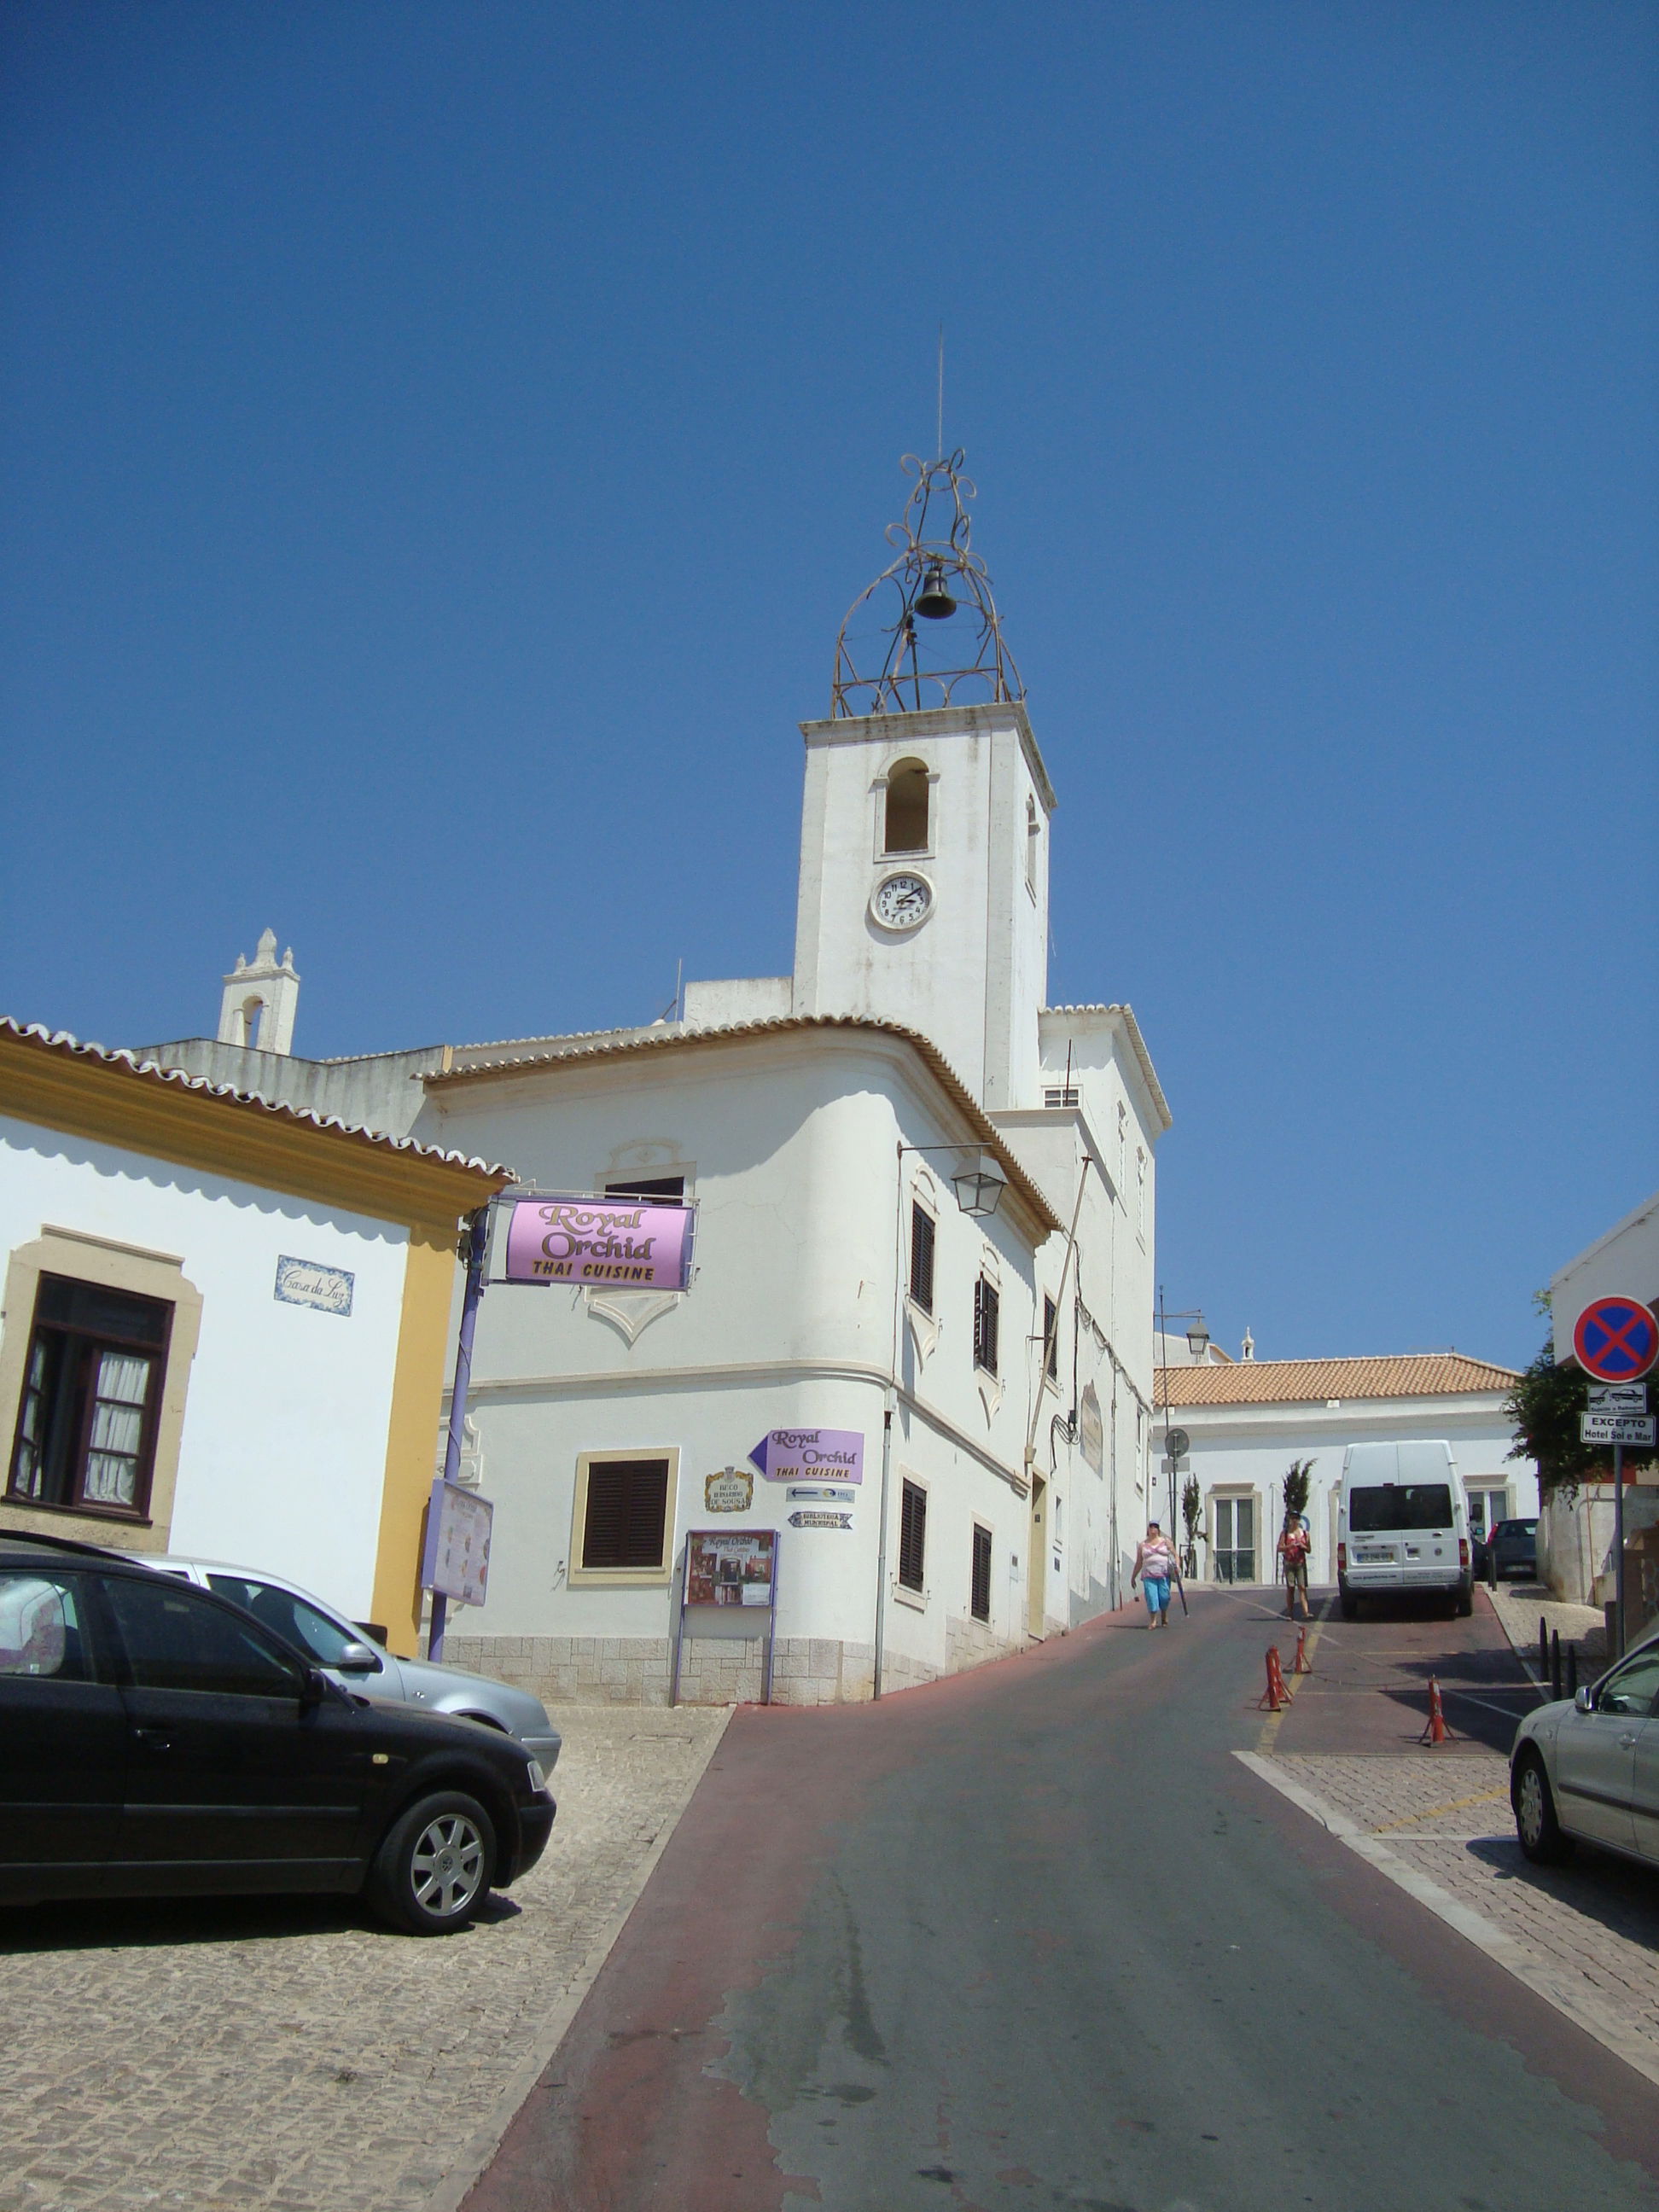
(1616, 1340)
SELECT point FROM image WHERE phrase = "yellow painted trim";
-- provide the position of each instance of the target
(418, 1383)
(243, 1139)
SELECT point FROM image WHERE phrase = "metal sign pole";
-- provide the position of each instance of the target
(679, 1625)
(478, 1240)
(771, 1622)
(1619, 1551)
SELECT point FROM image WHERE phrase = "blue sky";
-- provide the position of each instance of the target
(438, 444)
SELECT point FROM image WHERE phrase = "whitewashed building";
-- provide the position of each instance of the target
(1576, 1531)
(1249, 1419)
(996, 1368)
(224, 1322)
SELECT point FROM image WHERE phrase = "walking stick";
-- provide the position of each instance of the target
(1181, 1592)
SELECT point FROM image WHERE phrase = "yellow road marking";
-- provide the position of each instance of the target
(1269, 1734)
(1452, 1805)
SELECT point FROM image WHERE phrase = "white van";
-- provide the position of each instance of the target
(1402, 1525)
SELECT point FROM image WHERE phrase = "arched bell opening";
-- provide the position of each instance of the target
(908, 797)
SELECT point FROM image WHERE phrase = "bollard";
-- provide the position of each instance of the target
(1555, 1662)
(1275, 1696)
(1573, 1670)
(1543, 1648)
(1492, 1568)
(1302, 1664)
(1436, 1730)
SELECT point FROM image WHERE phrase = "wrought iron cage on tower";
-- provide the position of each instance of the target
(935, 578)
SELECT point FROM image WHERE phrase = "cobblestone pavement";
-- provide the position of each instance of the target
(1519, 1606)
(1592, 1927)
(290, 2052)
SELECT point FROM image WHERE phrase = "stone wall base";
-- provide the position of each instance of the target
(715, 1670)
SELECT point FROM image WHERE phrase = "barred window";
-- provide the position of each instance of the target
(979, 1601)
(913, 1536)
(922, 1233)
(986, 1318)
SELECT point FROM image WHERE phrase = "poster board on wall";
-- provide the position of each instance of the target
(729, 1573)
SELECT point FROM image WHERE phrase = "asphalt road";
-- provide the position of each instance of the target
(1032, 1938)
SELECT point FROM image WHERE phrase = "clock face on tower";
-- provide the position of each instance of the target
(901, 901)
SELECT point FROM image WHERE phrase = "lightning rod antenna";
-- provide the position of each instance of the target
(941, 391)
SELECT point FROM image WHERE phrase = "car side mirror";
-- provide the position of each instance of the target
(1585, 1700)
(357, 1659)
(316, 1687)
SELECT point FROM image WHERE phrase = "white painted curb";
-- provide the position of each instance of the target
(1472, 1926)
(485, 2140)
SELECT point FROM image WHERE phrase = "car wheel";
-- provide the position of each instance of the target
(431, 1872)
(1350, 1607)
(1535, 1824)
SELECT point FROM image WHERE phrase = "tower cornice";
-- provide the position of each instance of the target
(897, 730)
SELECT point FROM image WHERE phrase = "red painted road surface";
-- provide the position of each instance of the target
(1032, 1938)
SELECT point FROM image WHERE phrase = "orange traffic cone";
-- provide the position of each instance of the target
(1276, 1696)
(1436, 1730)
(1302, 1664)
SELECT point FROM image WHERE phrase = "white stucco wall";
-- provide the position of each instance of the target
(788, 1144)
(1247, 1450)
(972, 976)
(282, 1456)
(1625, 1262)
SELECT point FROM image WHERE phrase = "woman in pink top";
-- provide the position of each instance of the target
(1155, 1568)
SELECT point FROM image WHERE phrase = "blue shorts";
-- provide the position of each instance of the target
(1156, 1588)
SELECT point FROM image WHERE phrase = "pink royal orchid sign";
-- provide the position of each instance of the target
(621, 1242)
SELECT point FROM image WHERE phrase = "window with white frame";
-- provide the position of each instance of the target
(923, 1236)
(987, 1324)
(1232, 1538)
(979, 1591)
(913, 1536)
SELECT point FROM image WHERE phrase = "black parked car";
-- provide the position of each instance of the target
(1514, 1548)
(157, 1741)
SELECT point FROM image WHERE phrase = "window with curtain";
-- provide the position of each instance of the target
(85, 1438)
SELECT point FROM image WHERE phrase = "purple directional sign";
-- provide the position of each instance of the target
(801, 1454)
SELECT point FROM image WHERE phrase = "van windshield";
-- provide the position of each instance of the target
(1401, 1505)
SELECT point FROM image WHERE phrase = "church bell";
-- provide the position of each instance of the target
(933, 600)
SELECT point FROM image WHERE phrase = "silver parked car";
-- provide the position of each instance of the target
(1590, 1769)
(345, 1650)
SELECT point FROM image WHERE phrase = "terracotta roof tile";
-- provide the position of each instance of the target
(614, 1044)
(60, 1043)
(1313, 1382)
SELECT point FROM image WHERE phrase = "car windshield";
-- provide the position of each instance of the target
(290, 1616)
(1516, 1528)
(1392, 1505)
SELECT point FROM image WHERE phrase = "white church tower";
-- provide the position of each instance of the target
(924, 862)
(261, 998)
